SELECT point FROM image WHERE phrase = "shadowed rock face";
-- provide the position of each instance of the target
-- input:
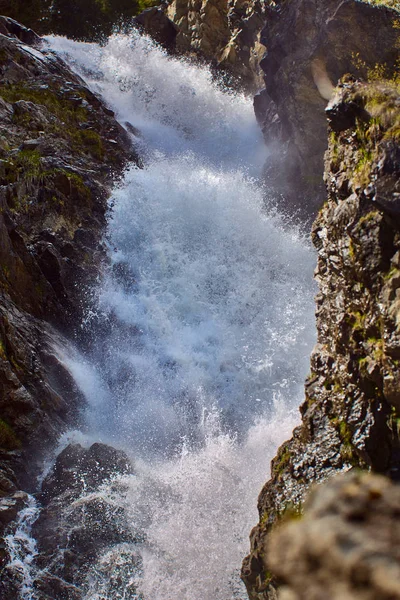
(310, 42)
(60, 150)
(351, 411)
(346, 545)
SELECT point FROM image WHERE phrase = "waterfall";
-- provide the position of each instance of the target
(208, 322)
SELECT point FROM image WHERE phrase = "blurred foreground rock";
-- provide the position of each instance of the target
(345, 546)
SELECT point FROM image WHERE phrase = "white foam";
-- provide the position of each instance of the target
(209, 297)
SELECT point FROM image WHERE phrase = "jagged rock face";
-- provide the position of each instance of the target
(60, 149)
(311, 43)
(346, 545)
(155, 23)
(226, 33)
(350, 415)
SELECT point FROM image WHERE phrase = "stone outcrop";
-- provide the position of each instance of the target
(310, 45)
(224, 33)
(77, 523)
(347, 544)
(60, 151)
(155, 23)
(350, 416)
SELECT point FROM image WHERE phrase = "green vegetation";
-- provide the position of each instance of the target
(290, 512)
(281, 461)
(3, 354)
(59, 105)
(8, 439)
(66, 125)
(92, 143)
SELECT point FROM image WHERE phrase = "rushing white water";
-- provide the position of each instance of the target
(21, 548)
(210, 312)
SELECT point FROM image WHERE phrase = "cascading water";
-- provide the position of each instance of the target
(208, 316)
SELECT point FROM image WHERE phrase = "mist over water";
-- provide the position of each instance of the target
(208, 320)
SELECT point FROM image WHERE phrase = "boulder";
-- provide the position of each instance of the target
(79, 522)
(345, 545)
(78, 469)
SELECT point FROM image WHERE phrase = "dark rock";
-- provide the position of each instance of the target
(86, 238)
(350, 416)
(49, 587)
(12, 28)
(155, 23)
(77, 524)
(10, 507)
(132, 129)
(52, 185)
(77, 469)
(344, 116)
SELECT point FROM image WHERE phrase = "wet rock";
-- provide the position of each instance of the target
(310, 45)
(54, 588)
(350, 416)
(80, 523)
(12, 28)
(155, 23)
(53, 184)
(78, 469)
(10, 507)
(346, 544)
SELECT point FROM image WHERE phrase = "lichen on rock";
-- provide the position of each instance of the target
(350, 414)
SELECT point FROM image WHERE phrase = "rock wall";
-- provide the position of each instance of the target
(310, 45)
(350, 417)
(60, 150)
(223, 32)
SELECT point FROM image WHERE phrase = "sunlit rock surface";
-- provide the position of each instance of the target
(347, 544)
(351, 413)
(225, 33)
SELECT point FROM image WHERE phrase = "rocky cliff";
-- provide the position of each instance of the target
(224, 33)
(309, 45)
(60, 150)
(351, 412)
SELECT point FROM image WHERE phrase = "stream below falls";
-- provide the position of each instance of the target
(210, 297)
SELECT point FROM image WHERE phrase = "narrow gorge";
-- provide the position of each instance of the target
(157, 305)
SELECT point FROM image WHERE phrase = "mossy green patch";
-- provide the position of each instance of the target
(291, 512)
(281, 461)
(8, 438)
(57, 104)
(92, 143)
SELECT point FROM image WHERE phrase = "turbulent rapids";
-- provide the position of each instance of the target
(207, 325)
